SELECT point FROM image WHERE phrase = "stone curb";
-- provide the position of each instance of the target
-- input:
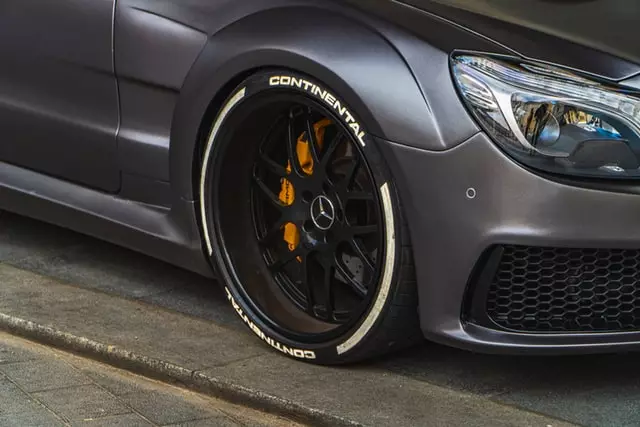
(168, 372)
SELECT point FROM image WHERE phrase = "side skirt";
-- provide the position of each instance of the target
(169, 234)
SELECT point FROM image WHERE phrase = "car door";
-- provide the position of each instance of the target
(58, 92)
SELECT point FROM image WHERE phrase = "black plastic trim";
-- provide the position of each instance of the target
(479, 287)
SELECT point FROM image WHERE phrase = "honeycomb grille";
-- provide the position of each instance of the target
(566, 290)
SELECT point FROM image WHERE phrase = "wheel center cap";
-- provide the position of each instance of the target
(323, 212)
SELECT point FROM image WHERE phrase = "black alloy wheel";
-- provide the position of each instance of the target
(334, 210)
(300, 220)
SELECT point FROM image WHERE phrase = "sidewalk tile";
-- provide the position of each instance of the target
(37, 418)
(13, 355)
(113, 383)
(124, 420)
(42, 375)
(209, 422)
(165, 409)
(13, 400)
(83, 402)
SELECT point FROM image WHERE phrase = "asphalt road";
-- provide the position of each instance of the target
(599, 390)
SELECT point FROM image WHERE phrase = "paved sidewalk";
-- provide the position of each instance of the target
(232, 362)
(44, 387)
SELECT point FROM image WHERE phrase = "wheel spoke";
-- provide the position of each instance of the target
(351, 174)
(284, 257)
(267, 194)
(312, 140)
(329, 272)
(306, 285)
(292, 144)
(272, 166)
(360, 195)
(328, 151)
(271, 233)
(356, 286)
(362, 230)
(361, 253)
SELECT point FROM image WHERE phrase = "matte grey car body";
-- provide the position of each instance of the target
(104, 106)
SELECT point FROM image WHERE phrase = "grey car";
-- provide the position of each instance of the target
(357, 174)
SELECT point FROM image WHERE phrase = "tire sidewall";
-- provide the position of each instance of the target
(342, 348)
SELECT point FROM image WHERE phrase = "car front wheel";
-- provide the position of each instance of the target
(302, 220)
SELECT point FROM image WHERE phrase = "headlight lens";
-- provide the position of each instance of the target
(553, 120)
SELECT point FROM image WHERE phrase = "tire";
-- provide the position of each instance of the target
(323, 295)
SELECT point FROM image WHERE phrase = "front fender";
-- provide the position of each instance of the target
(349, 57)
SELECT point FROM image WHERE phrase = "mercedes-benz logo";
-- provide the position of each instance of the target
(323, 213)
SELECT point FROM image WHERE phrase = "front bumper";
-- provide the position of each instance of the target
(509, 205)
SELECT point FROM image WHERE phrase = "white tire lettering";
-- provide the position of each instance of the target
(324, 95)
(290, 351)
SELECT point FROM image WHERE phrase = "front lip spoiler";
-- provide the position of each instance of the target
(479, 338)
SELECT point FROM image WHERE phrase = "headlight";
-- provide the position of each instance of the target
(553, 120)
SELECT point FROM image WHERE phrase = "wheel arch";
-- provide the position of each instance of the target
(346, 55)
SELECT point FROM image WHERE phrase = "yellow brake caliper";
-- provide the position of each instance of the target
(287, 192)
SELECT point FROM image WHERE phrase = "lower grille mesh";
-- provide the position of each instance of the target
(566, 290)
